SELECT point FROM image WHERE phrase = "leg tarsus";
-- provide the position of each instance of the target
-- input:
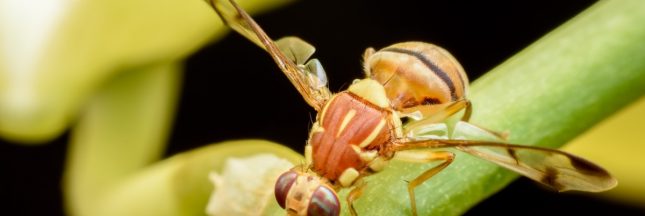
(447, 158)
(354, 195)
(407, 153)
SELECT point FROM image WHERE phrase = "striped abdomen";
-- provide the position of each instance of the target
(416, 74)
(347, 120)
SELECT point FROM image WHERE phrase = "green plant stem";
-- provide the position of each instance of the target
(547, 94)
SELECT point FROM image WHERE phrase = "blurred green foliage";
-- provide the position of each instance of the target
(103, 63)
(57, 54)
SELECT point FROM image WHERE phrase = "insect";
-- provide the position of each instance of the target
(357, 131)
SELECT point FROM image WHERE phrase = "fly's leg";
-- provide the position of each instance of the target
(441, 112)
(445, 112)
(424, 156)
(356, 193)
(466, 118)
(468, 110)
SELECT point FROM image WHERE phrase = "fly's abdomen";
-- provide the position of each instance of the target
(416, 74)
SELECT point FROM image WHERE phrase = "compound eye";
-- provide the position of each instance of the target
(324, 202)
(283, 185)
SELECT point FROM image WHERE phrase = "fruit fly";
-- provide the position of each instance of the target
(357, 131)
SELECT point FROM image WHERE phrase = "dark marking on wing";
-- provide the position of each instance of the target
(513, 154)
(587, 167)
(551, 178)
(431, 65)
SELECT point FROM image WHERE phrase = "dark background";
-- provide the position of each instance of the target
(233, 90)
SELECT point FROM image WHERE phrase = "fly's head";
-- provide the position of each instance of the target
(303, 193)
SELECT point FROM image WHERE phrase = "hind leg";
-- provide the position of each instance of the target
(424, 156)
(445, 112)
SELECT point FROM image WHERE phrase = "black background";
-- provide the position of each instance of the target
(233, 90)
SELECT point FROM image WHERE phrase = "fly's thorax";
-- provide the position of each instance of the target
(416, 74)
(375, 93)
(306, 194)
(351, 131)
(371, 91)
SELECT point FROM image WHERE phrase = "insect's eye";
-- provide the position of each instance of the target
(283, 185)
(324, 202)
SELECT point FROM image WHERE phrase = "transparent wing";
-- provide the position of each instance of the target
(299, 52)
(557, 169)
(290, 54)
(296, 49)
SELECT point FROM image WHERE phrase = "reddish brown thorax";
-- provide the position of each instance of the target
(347, 120)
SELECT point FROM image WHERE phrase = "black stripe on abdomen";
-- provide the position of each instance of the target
(431, 65)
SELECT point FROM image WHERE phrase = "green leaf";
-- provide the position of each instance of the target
(180, 186)
(122, 131)
(55, 54)
(545, 95)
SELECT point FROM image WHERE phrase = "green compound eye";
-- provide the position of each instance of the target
(324, 202)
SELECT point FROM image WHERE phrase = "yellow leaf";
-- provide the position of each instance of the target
(618, 144)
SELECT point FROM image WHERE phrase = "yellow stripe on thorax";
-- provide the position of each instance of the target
(348, 117)
(373, 134)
